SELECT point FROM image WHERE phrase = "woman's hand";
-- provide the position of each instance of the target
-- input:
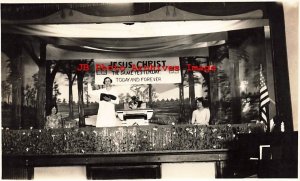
(106, 98)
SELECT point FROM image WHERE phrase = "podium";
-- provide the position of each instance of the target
(135, 116)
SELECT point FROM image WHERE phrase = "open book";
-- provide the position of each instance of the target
(102, 95)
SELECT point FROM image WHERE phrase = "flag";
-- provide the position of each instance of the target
(264, 100)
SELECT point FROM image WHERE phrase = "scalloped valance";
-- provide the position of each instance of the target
(127, 12)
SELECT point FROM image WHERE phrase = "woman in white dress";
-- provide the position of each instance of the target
(106, 112)
(201, 115)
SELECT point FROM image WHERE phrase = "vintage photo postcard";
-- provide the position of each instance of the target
(149, 90)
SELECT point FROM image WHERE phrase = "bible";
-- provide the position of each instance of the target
(102, 95)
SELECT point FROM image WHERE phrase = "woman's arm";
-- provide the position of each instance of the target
(194, 117)
(50, 124)
(207, 116)
(47, 122)
(116, 101)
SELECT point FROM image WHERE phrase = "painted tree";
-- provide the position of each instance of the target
(139, 90)
(149, 93)
(6, 90)
(80, 82)
(121, 97)
(12, 47)
(87, 96)
(56, 91)
(41, 83)
(68, 69)
(127, 97)
(86, 90)
(53, 67)
(27, 94)
(80, 76)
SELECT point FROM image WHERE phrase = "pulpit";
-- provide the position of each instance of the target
(135, 116)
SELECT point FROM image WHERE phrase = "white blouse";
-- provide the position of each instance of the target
(201, 116)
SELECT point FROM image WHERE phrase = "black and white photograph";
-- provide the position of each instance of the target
(149, 90)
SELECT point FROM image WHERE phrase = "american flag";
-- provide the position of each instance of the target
(264, 99)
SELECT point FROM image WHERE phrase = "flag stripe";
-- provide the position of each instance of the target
(265, 101)
(263, 89)
(263, 98)
(264, 116)
(264, 94)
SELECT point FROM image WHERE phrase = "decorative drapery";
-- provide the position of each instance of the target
(137, 30)
(127, 12)
(137, 40)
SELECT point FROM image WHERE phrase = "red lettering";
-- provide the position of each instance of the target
(171, 68)
(189, 67)
(194, 68)
(165, 67)
(103, 67)
(109, 68)
(98, 67)
(135, 68)
(213, 68)
(122, 68)
(83, 67)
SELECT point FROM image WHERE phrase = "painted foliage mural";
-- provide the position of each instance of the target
(232, 91)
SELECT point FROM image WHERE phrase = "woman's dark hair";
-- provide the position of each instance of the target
(199, 99)
(204, 102)
(55, 109)
(107, 78)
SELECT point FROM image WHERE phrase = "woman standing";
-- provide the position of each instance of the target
(108, 97)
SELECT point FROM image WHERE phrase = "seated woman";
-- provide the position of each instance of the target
(53, 120)
(201, 115)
